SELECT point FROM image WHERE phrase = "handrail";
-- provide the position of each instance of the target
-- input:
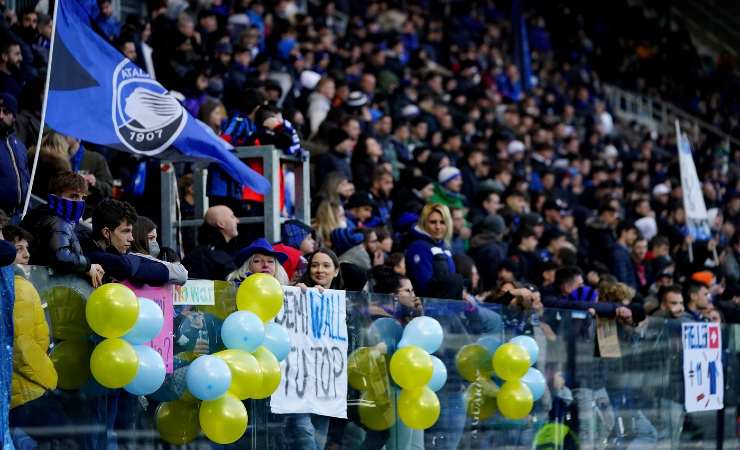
(661, 115)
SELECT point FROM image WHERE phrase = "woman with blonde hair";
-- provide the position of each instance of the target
(259, 257)
(329, 217)
(429, 256)
(336, 187)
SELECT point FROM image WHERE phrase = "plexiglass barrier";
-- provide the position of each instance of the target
(606, 385)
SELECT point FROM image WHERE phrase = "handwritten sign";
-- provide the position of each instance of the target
(314, 375)
(608, 338)
(162, 296)
(702, 366)
(195, 292)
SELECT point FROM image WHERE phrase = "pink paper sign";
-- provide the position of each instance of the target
(162, 296)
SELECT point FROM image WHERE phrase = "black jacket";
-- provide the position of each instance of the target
(210, 260)
(55, 242)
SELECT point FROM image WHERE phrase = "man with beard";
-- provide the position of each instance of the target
(10, 65)
(14, 175)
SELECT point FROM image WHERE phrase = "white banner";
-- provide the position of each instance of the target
(702, 366)
(314, 375)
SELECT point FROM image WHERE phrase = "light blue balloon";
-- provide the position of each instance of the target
(150, 375)
(530, 345)
(424, 332)
(243, 330)
(277, 340)
(385, 330)
(439, 374)
(536, 383)
(208, 377)
(148, 324)
(490, 343)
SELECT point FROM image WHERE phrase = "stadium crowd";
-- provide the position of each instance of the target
(439, 169)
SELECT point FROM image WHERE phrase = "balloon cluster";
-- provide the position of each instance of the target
(248, 368)
(511, 362)
(412, 367)
(126, 322)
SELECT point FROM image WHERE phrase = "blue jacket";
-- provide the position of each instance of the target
(14, 176)
(622, 266)
(419, 256)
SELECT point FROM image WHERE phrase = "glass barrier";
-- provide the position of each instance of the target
(606, 385)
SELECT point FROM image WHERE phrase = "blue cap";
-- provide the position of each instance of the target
(259, 246)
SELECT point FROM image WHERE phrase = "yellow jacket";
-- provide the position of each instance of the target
(33, 371)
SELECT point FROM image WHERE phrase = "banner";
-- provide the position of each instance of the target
(163, 343)
(314, 375)
(196, 292)
(702, 366)
(697, 219)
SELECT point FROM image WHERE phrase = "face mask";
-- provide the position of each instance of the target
(69, 210)
(154, 248)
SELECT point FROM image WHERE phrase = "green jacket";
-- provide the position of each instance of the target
(447, 197)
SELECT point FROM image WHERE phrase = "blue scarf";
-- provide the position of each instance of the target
(69, 210)
(76, 160)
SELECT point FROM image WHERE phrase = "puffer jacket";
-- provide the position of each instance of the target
(14, 174)
(56, 243)
(33, 370)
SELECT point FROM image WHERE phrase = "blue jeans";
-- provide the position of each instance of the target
(305, 431)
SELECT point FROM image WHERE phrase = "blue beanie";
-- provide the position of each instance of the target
(343, 239)
(294, 232)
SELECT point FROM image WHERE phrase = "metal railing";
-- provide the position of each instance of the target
(271, 163)
(660, 115)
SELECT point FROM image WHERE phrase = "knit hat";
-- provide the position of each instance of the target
(420, 182)
(9, 102)
(356, 99)
(448, 174)
(336, 137)
(293, 261)
(358, 200)
(704, 277)
(294, 232)
(492, 223)
(343, 239)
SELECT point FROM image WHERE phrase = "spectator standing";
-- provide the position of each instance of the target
(259, 257)
(622, 266)
(14, 175)
(145, 245)
(448, 187)
(337, 158)
(10, 68)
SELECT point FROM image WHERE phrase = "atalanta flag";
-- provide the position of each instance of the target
(98, 95)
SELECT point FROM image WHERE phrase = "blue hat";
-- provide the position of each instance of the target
(9, 102)
(406, 221)
(343, 239)
(294, 232)
(259, 246)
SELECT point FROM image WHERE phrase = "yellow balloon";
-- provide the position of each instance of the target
(411, 367)
(112, 310)
(114, 363)
(480, 399)
(261, 294)
(223, 420)
(511, 361)
(376, 413)
(364, 367)
(72, 361)
(418, 408)
(177, 422)
(246, 373)
(473, 361)
(270, 372)
(514, 400)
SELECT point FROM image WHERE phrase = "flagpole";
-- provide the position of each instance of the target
(54, 20)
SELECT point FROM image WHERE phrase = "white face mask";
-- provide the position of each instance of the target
(154, 248)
